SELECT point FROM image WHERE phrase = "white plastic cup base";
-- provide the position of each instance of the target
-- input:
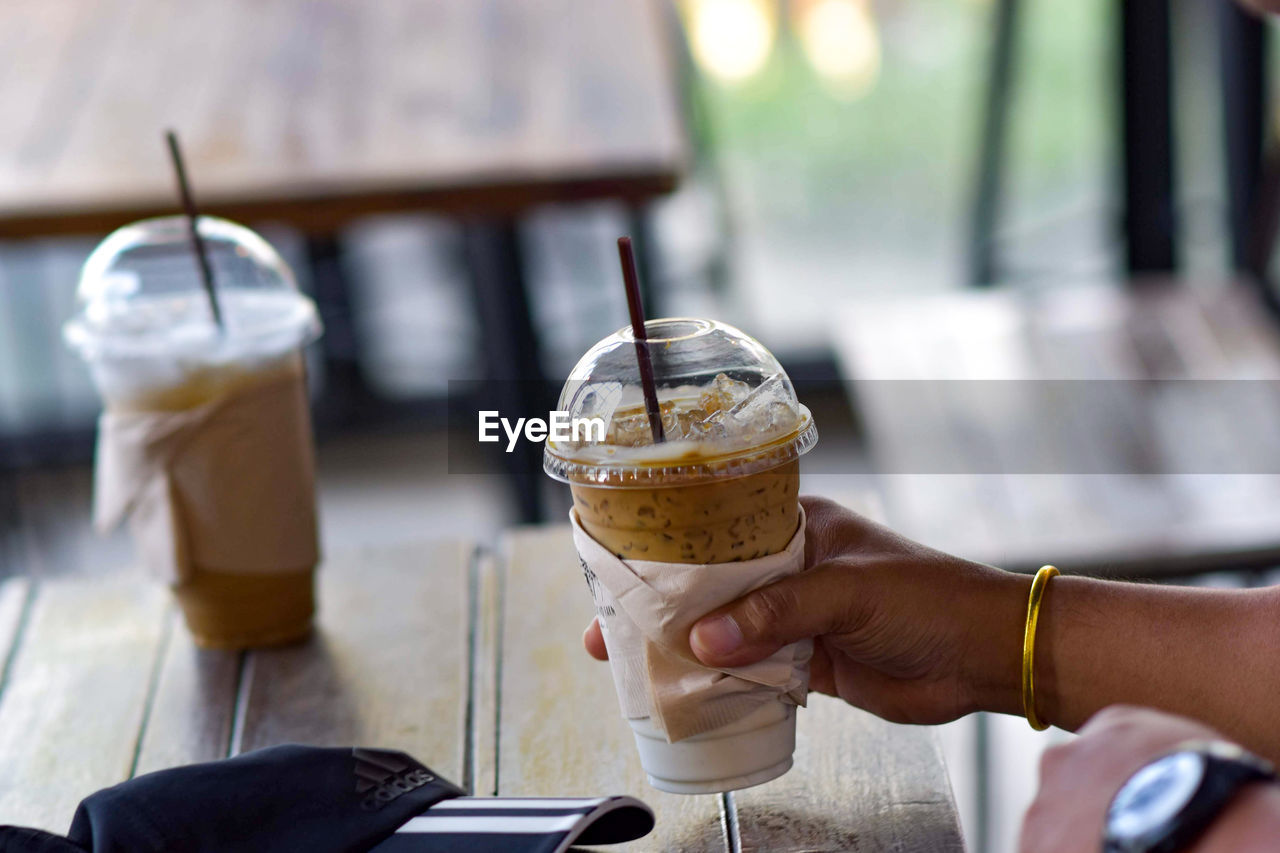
(752, 751)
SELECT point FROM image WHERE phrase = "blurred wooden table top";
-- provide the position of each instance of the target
(470, 660)
(315, 111)
(1118, 431)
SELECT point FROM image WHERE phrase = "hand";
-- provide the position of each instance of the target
(1078, 781)
(909, 633)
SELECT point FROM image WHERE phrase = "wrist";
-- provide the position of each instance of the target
(993, 652)
(1249, 823)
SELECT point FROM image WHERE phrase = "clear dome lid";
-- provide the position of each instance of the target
(728, 409)
(141, 295)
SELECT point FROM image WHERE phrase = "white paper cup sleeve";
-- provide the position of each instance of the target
(646, 610)
(228, 486)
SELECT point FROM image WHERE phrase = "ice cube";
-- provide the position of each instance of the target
(723, 394)
(766, 412)
(629, 429)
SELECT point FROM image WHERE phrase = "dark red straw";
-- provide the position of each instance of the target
(636, 309)
(197, 242)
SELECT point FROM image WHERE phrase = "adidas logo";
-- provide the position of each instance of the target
(384, 776)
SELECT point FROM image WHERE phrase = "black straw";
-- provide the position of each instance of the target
(636, 310)
(197, 242)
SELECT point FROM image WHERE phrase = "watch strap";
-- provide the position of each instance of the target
(1228, 768)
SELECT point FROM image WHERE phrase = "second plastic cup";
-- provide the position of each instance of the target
(146, 331)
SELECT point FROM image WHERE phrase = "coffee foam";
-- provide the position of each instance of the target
(148, 344)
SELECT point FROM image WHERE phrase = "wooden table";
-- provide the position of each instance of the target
(466, 658)
(317, 111)
(1152, 479)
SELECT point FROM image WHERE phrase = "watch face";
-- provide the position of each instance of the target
(1155, 794)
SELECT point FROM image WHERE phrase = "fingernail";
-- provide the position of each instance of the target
(716, 637)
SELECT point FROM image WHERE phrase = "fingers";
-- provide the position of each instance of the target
(593, 641)
(1078, 779)
(822, 677)
(758, 624)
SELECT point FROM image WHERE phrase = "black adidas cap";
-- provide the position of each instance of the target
(322, 799)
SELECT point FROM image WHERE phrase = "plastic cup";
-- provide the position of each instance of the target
(723, 487)
(145, 328)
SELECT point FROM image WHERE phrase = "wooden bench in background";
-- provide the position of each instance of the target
(1136, 505)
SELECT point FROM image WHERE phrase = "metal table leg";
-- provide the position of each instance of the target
(641, 226)
(517, 381)
(1242, 41)
(1147, 125)
(347, 397)
(991, 156)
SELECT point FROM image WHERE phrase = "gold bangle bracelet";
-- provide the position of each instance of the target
(1029, 647)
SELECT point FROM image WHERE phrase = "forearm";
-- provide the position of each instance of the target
(1213, 655)
(1250, 824)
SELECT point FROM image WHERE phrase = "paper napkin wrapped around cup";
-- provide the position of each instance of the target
(646, 610)
(227, 486)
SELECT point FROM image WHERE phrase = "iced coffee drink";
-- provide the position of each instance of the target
(718, 522)
(205, 443)
(721, 488)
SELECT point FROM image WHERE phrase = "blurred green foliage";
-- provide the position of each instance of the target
(899, 160)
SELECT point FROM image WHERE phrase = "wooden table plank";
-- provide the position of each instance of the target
(316, 111)
(1245, 334)
(561, 731)
(191, 715)
(1050, 462)
(389, 666)
(76, 696)
(49, 34)
(1218, 426)
(1114, 435)
(859, 784)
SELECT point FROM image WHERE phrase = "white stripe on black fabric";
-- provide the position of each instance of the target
(561, 805)
(408, 842)
(515, 825)
(492, 824)
(497, 807)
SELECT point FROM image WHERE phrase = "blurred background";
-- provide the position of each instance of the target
(873, 188)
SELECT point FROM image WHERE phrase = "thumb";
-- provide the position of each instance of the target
(755, 626)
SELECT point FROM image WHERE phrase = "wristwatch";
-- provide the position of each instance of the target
(1167, 804)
